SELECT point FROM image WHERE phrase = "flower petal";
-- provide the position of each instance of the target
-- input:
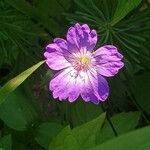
(81, 37)
(69, 84)
(64, 46)
(56, 57)
(65, 84)
(96, 88)
(107, 60)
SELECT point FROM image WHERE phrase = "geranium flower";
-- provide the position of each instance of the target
(81, 70)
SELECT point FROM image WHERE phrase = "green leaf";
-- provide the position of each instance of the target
(58, 142)
(5, 143)
(81, 137)
(123, 8)
(123, 122)
(136, 140)
(19, 145)
(83, 112)
(45, 132)
(140, 87)
(17, 111)
(18, 36)
(87, 133)
(49, 7)
(27, 9)
(15, 82)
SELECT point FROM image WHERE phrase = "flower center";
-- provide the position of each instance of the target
(82, 62)
(85, 60)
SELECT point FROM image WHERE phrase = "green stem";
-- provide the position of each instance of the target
(109, 121)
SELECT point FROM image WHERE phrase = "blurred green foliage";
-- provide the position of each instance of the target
(30, 119)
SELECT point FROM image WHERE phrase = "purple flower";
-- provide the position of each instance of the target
(81, 69)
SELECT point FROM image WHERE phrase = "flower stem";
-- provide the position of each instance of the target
(109, 121)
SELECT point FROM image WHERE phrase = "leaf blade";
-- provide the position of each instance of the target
(12, 84)
(123, 8)
(136, 140)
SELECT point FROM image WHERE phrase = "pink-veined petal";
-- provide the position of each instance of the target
(65, 84)
(107, 60)
(56, 57)
(96, 88)
(81, 37)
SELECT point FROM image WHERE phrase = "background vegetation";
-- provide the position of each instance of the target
(30, 119)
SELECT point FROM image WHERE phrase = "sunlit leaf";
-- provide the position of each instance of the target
(136, 140)
(15, 82)
(81, 137)
(87, 133)
(123, 122)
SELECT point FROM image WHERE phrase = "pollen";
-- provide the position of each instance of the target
(85, 60)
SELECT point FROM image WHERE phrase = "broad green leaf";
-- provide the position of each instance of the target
(17, 111)
(15, 82)
(136, 140)
(123, 122)
(5, 143)
(83, 112)
(58, 142)
(45, 132)
(123, 8)
(140, 87)
(87, 133)
(81, 137)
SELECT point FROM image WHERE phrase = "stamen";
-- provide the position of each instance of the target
(85, 60)
(82, 62)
